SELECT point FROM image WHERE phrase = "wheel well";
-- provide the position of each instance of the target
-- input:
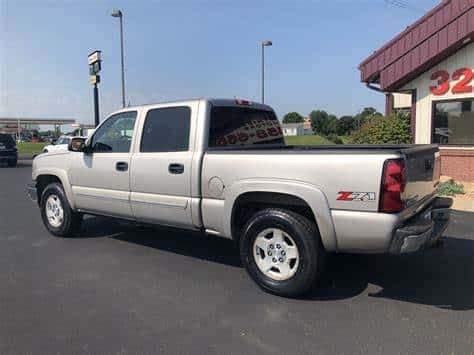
(44, 180)
(250, 203)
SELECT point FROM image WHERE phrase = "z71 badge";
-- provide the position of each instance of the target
(356, 196)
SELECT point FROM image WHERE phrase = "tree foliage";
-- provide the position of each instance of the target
(377, 129)
(293, 117)
(345, 125)
(331, 127)
(320, 121)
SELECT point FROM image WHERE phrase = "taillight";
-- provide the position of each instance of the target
(393, 185)
(243, 102)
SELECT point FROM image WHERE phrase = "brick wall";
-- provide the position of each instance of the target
(458, 164)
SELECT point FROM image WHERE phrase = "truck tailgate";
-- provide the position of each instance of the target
(422, 173)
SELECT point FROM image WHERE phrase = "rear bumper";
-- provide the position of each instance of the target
(422, 230)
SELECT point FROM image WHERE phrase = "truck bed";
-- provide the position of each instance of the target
(407, 149)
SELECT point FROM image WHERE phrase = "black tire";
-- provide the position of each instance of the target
(12, 162)
(71, 222)
(308, 241)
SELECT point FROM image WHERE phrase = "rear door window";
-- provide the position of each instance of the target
(166, 130)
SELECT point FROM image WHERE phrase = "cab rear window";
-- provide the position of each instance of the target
(233, 126)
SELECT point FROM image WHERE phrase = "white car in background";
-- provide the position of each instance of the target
(61, 145)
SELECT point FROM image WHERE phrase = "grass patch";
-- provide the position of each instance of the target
(30, 148)
(307, 140)
(345, 139)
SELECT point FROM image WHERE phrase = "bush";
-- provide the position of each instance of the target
(450, 188)
(394, 129)
(334, 138)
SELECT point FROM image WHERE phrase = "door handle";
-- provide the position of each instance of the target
(121, 166)
(176, 168)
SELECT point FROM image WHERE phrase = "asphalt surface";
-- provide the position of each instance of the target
(118, 289)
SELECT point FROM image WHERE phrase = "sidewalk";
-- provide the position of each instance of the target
(465, 202)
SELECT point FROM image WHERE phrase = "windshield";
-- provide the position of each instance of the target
(243, 126)
(63, 140)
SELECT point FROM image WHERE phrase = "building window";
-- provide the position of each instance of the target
(453, 122)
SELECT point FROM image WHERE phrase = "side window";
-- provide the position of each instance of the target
(166, 130)
(115, 135)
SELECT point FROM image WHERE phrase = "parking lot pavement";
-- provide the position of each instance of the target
(119, 289)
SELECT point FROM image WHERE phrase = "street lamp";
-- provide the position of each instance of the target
(118, 13)
(264, 44)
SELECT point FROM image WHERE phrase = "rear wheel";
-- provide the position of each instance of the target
(282, 252)
(57, 214)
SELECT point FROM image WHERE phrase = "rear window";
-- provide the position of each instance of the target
(7, 140)
(243, 126)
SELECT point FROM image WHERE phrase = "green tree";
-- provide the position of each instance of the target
(366, 114)
(370, 111)
(377, 129)
(331, 127)
(345, 125)
(319, 121)
(292, 117)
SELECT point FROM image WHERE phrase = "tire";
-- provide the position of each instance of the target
(283, 279)
(12, 162)
(58, 217)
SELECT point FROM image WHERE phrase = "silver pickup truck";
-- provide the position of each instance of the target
(222, 167)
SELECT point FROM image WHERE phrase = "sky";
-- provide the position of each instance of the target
(193, 48)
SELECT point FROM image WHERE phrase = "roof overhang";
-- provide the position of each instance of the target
(437, 35)
(39, 121)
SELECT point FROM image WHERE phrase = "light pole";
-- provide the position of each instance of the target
(118, 13)
(264, 44)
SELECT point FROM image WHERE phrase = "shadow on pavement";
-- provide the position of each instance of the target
(189, 243)
(442, 277)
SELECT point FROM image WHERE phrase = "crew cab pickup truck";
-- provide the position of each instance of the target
(222, 167)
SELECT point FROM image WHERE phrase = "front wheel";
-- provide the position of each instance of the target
(57, 214)
(282, 252)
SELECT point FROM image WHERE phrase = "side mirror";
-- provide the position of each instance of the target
(77, 144)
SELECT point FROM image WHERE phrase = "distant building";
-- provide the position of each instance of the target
(307, 124)
(293, 129)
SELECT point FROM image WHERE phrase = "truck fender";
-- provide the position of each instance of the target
(309, 193)
(62, 176)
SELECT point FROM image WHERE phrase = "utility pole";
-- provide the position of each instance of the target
(119, 14)
(262, 70)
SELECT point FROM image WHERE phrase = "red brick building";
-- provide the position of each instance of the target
(428, 70)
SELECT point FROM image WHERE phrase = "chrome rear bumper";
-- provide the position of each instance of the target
(424, 229)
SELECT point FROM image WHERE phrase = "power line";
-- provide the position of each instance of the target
(404, 5)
